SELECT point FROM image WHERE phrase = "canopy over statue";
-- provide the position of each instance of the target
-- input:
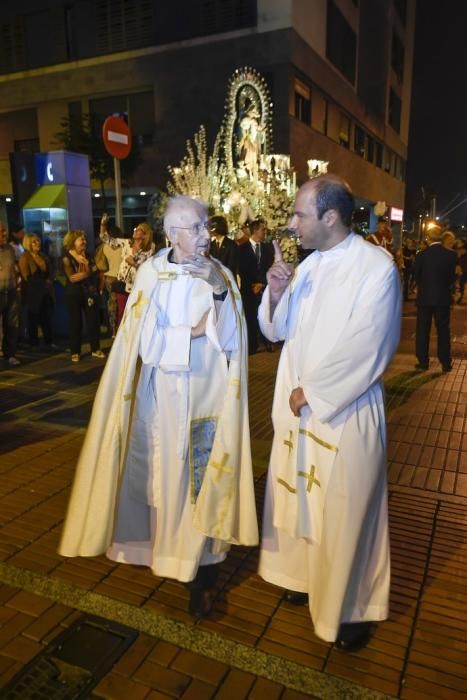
(248, 130)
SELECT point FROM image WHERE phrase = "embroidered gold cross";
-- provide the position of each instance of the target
(221, 466)
(310, 478)
(139, 303)
(236, 382)
(289, 443)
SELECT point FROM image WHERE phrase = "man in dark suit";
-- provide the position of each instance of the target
(222, 247)
(435, 272)
(254, 259)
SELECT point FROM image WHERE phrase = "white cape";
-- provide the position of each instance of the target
(225, 506)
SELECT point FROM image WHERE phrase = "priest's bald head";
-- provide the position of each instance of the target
(186, 226)
(323, 212)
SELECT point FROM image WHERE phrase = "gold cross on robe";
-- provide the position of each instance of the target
(289, 443)
(221, 466)
(310, 478)
(236, 382)
(139, 303)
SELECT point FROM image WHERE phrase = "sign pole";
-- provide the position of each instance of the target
(116, 135)
(118, 195)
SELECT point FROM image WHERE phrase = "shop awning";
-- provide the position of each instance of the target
(46, 197)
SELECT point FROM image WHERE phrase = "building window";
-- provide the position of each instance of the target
(401, 9)
(12, 49)
(395, 106)
(319, 112)
(359, 141)
(397, 56)
(370, 149)
(341, 42)
(302, 102)
(388, 159)
(123, 24)
(402, 169)
(227, 15)
(26, 146)
(379, 154)
(344, 130)
(137, 108)
(141, 117)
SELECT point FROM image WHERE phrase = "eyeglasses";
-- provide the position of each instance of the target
(196, 229)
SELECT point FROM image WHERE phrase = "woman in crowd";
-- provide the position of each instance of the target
(134, 251)
(37, 290)
(81, 293)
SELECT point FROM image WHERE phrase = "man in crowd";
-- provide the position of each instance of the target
(435, 274)
(325, 535)
(17, 236)
(223, 248)
(254, 259)
(409, 252)
(165, 478)
(9, 299)
(382, 236)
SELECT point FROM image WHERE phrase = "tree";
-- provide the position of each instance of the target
(84, 135)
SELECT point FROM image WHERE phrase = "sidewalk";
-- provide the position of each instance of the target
(255, 645)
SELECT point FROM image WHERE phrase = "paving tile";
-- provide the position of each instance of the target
(369, 677)
(114, 687)
(198, 690)
(8, 673)
(294, 655)
(236, 685)
(454, 683)
(418, 689)
(29, 603)
(135, 655)
(200, 667)
(21, 649)
(264, 689)
(162, 679)
(47, 622)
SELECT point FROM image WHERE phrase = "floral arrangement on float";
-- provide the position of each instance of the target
(241, 179)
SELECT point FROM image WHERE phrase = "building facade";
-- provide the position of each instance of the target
(339, 72)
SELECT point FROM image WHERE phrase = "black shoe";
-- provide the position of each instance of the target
(421, 366)
(296, 598)
(200, 602)
(447, 368)
(353, 635)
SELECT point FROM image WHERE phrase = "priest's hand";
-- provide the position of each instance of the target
(297, 400)
(279, 274)
(203, 267)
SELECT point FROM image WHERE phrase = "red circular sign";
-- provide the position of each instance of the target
(117, 137)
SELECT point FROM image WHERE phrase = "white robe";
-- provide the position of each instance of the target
(164, 398)
(325, 528)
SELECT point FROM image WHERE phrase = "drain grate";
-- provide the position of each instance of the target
(73, 663)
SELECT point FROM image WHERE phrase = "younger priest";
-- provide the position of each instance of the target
(164, 478)
(325, 535)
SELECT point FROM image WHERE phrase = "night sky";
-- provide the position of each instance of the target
(437, 159)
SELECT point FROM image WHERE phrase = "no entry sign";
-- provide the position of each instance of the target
(117, 137)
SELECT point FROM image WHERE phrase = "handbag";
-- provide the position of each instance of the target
(100, 259)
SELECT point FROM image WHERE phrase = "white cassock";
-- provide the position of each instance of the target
(325, 528)
(165, 478)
